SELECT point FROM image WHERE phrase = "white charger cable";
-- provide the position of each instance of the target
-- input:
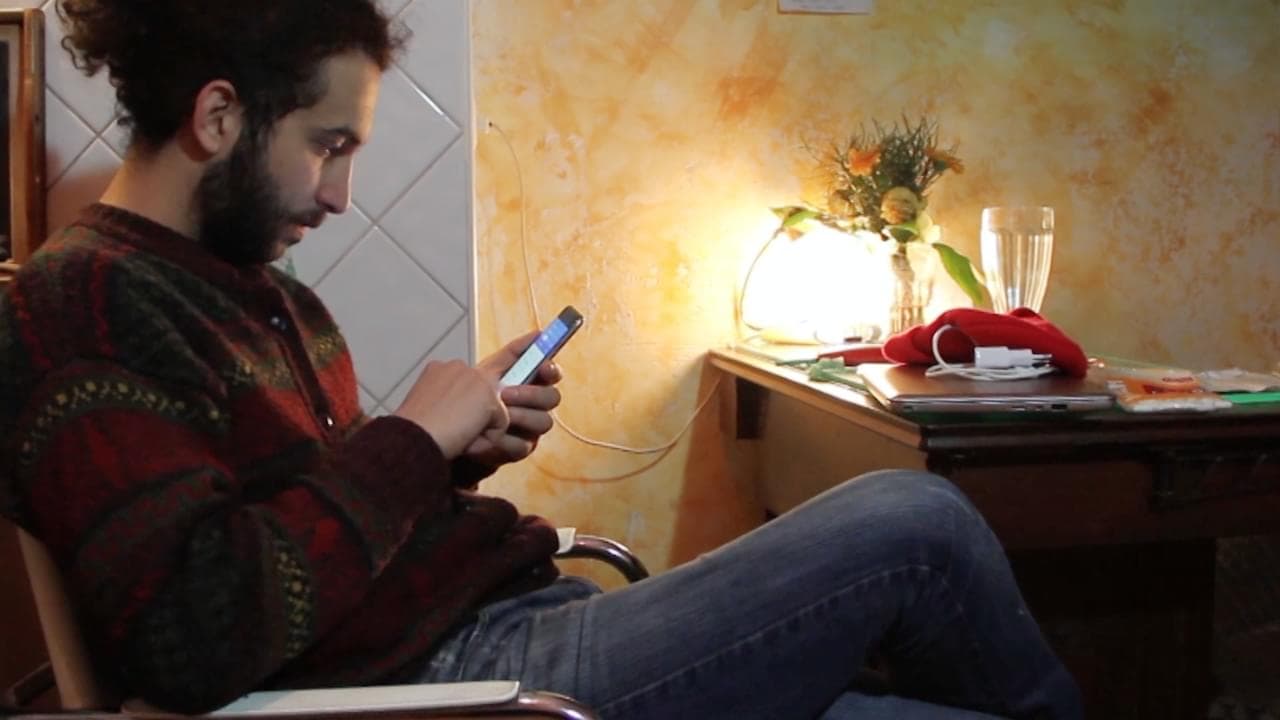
(999, 357)
(992, 362)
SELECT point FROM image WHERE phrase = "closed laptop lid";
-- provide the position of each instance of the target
(906, 388)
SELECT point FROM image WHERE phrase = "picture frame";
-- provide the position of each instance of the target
(22, 141)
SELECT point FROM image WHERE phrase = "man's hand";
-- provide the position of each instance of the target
(455, 403)
(528, 406)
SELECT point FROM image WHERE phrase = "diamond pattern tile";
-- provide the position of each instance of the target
(389, 310)
(324, 246)
(66, 136)
(440, 32)
(81, 184)
(392, 7)
(409, 134)
(437, 200)
(456, 345)
(117, 136)
(368, 404)
(92, 99)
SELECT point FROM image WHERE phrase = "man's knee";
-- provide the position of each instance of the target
(916, 488)
(919, 508)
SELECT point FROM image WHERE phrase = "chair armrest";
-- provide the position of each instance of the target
(332, 701)
(347, 701)
(575, 545)
(30, 686)
(489, 698)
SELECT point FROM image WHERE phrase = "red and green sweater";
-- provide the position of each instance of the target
(186, 439)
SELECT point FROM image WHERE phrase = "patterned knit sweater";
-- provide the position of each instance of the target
(185, 437)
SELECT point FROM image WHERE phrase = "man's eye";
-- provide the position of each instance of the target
(328, 148)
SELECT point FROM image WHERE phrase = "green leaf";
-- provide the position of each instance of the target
(784, 211)
(797, 216)
(906, 232)
(961, 270)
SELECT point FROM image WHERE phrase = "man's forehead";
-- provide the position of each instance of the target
(351, 93)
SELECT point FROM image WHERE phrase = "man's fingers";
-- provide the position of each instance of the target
(498, 362)
(499, 419)
(548, 374)
(509, 447)
(512, 349)
(526, 423)
(537, 397)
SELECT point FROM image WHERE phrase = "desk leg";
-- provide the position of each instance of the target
(1133, 623)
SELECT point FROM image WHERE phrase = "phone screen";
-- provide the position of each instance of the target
(548, 342)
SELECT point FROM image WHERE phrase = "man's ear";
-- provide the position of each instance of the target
(217, 118)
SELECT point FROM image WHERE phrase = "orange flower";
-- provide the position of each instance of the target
(862, 162)
(945, 160)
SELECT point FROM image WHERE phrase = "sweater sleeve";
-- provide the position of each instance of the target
(198, 579)
(468, 473)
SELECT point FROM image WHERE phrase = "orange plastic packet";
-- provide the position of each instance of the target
(1157, 389)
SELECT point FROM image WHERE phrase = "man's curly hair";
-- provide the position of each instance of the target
(160, 53)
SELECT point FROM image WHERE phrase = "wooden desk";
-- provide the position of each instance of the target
(1110, 518)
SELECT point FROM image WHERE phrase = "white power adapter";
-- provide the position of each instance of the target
(1000, 357)
(992, 362)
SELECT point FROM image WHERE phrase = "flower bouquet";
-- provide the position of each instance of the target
(878, 183)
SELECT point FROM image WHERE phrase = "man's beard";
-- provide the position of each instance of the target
(242, 217)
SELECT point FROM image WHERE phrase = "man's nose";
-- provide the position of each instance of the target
(334, 193)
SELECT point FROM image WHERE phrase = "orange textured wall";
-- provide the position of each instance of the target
(650, 138)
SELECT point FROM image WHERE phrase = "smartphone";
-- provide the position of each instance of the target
(547, 344)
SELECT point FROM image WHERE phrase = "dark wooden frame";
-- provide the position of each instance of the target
(22, 35)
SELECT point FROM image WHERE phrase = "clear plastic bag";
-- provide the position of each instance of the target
(1237, 380)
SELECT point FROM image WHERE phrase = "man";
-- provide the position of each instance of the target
(181, 429)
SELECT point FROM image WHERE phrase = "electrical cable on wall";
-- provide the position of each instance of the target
(740, 296)
(537, 318)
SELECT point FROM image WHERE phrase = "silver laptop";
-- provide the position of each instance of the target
(906, 389)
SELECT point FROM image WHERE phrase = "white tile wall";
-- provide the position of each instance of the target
(397, 269)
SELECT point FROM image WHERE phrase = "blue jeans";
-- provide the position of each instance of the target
(893, 564)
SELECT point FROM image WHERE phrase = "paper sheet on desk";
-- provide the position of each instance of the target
(784, 354)
(827, 7)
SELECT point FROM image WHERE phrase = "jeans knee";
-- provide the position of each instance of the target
(917, 488)
(917, 508)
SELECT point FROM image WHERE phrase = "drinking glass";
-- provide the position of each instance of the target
(1017, 250)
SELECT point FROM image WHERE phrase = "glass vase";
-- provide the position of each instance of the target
(913, 266)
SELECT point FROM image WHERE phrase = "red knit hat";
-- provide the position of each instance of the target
(971, 327)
